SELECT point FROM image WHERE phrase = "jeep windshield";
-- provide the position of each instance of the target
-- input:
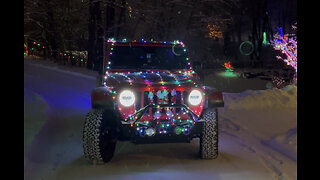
(148, 57)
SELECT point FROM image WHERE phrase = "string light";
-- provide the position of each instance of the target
(287, 45)
(165, 92)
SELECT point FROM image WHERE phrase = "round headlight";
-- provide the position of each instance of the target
(127, 98)
(195, 97)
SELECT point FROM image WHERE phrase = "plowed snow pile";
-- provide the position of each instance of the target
(265, 120)
(263, 99)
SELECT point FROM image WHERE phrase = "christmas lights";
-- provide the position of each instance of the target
(228, 66)
(287, 45)
(163, 113)
(37, 46)
(214, 31)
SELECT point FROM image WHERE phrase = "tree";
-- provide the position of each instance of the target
(59, 24)
(287, 45)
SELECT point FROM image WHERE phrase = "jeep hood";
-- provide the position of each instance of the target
(149, 78)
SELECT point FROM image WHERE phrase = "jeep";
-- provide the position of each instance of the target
(149, 93)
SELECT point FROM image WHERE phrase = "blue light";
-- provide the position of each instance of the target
(281, 32)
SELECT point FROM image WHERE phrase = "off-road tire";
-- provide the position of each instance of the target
(99, 140)
(209, 135)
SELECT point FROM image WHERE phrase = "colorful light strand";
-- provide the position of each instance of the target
(287, 45)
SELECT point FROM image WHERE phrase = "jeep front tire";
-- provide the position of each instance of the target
(99, 140)
(209, 135)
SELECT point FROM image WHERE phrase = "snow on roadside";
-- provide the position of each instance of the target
(262, 99)
(274, 109)
(34, 116)
(266, 122)
(71, 70)
(285, 143)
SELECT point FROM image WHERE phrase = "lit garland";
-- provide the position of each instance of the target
(182, 122)
(37, 46)
(34, 46)
(26, 52)
(288, 47)
(175, 42)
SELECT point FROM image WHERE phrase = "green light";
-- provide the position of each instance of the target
(38, 44)
(178, 130)
(264, 42)
(228, 69)
(187, 59)
(228, 74)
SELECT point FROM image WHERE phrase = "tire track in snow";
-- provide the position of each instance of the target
(268, 157)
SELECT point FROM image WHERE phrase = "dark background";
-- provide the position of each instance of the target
(212, 29)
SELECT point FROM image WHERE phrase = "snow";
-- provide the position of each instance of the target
(271, 98)
(257, 132)
(34, 116)
(267, 120)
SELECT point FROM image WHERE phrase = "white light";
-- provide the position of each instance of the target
(150, 131)
(127, 98)
(195, 97)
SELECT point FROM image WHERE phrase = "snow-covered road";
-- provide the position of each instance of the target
(257, 138)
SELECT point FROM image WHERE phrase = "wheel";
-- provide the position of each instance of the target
(99, 139)
(209, 135)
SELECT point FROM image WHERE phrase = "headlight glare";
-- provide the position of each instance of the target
(127, 98)
(195, 97)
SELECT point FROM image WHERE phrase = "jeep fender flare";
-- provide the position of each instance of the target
(101, 97)
(214, 98)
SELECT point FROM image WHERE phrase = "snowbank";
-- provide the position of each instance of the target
(285, 143)
(269, 117)
(262, 99)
